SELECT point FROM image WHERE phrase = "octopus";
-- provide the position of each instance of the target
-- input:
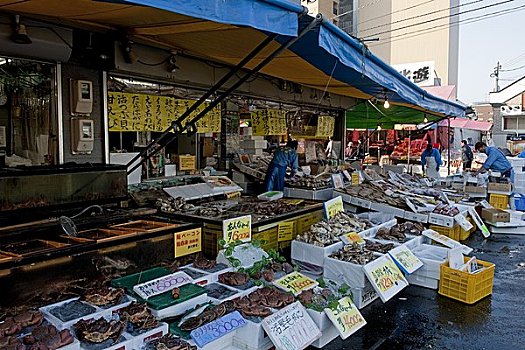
(16, 323)
(98, 331)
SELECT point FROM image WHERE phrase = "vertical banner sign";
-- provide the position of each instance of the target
(187, 242)
(268, 122)
(346, 318)
(333, 206)
(325, 126)
(291, 328)
(295, 283)
(405, 259)
(237, 229)
(285, 231)
(142, 112)
(385, 277)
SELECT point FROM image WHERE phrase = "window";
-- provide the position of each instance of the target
(335, 8)
(514, 123)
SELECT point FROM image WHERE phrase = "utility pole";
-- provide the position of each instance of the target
(495, 75)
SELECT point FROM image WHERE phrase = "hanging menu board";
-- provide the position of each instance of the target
(237, 229)
(346, 317)
(142, 112)
(268, 122)
(291, 328)
(187, 242)
(325, 126)
(385, 276)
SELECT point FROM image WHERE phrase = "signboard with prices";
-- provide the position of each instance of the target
(291, 328)
(237, 229)
(285, 231)
(295, 283)
(162, 284)
(405, 259)
(268, 122)
(333, 206)
(325, 126)
(217, 328)
(187, 242)
(385, 276)
(346, 317)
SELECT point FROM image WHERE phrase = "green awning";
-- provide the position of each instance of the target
(367, 116)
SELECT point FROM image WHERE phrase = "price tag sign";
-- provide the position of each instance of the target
(187, 242)
(291, 328)
(405, 259)
(352, 238)
(295, 283)
(337, 179)
(347, 175)
(285, 231)
(355, 178)
(479, 223)
(218, 328)
(237, 229)
(333, 206)
(463, 222)
(232, 195)
(346, 318)
(162, 284)
(385, 276)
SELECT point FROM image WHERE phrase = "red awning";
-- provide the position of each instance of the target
(467, 124)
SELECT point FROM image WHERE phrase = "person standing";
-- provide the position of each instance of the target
(282, 158)
(466, 155)
(496, 160)
(431, 158)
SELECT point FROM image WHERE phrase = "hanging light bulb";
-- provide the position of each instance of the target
(379, 127)
(386, 104)
(425, 120)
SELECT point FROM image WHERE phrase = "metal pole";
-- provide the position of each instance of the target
(191, 126)
(448, 142)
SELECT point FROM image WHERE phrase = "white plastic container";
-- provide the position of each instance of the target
(441, 220)
(417, 217)
(140, 340)
(363, 297)
(252, 336)
(320, 319)
(384, 208)
(180, 308)
(327, 336)
(344, 271)
(60, 325)
(314, 255)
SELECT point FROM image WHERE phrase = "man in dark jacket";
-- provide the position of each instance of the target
(466, 155)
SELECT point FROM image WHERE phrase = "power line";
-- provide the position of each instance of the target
(513, 69)
(425, 14)
(514, 60)
(357, 9)
(443, 17)
(444, 26)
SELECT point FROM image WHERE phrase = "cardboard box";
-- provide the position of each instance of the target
(475, 191)
(501, 188)
(495, 215)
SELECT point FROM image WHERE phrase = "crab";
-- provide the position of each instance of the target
(103, 295)
(9, 327)
(29, 318)
(11, 343)
(98, 331)
(203, 263)
(234, 278)
(171, 342)
(48, 338)
(139, 316)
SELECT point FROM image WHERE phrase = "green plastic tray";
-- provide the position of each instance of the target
(164, 300)
(174, 329)
(128, 282)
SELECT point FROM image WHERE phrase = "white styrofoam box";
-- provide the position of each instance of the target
(180, 308)
(140, 340)
(309, 270)
(360, 202)
(75, 345)
(371, 232)
(252, 336)
(432, 257)
(60, 325)
(344, 271)
(327, 336)
(376, 217)
(322, 194)
(385, 208)
(516, 162)
(441, 220)
(214, 276)
(115, 308)
(126, 344)
(418, 217)
(311, 254)
(363, 297)
(251, 144)
(223, 342)
(422, 280)
(320, 319)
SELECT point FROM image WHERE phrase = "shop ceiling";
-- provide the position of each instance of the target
(226, 31)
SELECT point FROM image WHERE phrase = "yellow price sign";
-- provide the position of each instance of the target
(268, 122)
(295, 283)
(187, 242)
(237, 229)
(333, 206)
(346, 317)
(352, 238)
(355, 178)
(325, 126)
(292, 201)
(285, 231)
(232, 195)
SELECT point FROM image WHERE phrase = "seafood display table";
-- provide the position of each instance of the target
(308, 193)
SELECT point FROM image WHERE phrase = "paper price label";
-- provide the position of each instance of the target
(187, 242)
(352, 238)
(355, 178)
(162, 284)
(346, 318)
(333, 206)
(479, 223)
(285, 231)
(405, 259)
(218, 328)
(295, 283)
(237, 229)
(385, 277)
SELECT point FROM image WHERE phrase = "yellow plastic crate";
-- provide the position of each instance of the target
(452, 232)
(499, 201)
(463, 235)
(466, 287)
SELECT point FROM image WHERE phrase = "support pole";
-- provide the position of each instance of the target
(448, 142)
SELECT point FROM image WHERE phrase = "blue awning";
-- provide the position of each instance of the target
(346, 60)
(274, 16)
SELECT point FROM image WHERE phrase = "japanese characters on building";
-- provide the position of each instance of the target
(420, 73)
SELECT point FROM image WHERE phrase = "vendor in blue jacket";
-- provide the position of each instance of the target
(522, 154)
(282, 158)
(431, 155)
(496, 160)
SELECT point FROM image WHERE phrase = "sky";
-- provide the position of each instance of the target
(483, 43)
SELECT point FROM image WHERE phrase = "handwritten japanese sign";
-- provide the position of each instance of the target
(325, 126)
(333, 206)
(291, 328)
(352, 238)
(142, 112)
(162, 284)
(218, 328)
(346, 318)
(295, 283)
(285, 231)
(355, 178)
(385, 276)
(405, 259)
(187, 242)
(237, 229)
(268, 122)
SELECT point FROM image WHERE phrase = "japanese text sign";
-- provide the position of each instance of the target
(333, 206)
(351, 238)
(285, 231)
(385, 276)
(405, 259)
(325, 126)
(187, 242)
(295, 283)
(268, 122)
(218, 328)
(346, 318)
(162, 284)
(237, 229)
(291, 328)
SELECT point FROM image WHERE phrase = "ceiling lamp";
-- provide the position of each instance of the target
(386, 104)
(19, 34)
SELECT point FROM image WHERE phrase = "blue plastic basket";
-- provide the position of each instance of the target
(519, 201)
